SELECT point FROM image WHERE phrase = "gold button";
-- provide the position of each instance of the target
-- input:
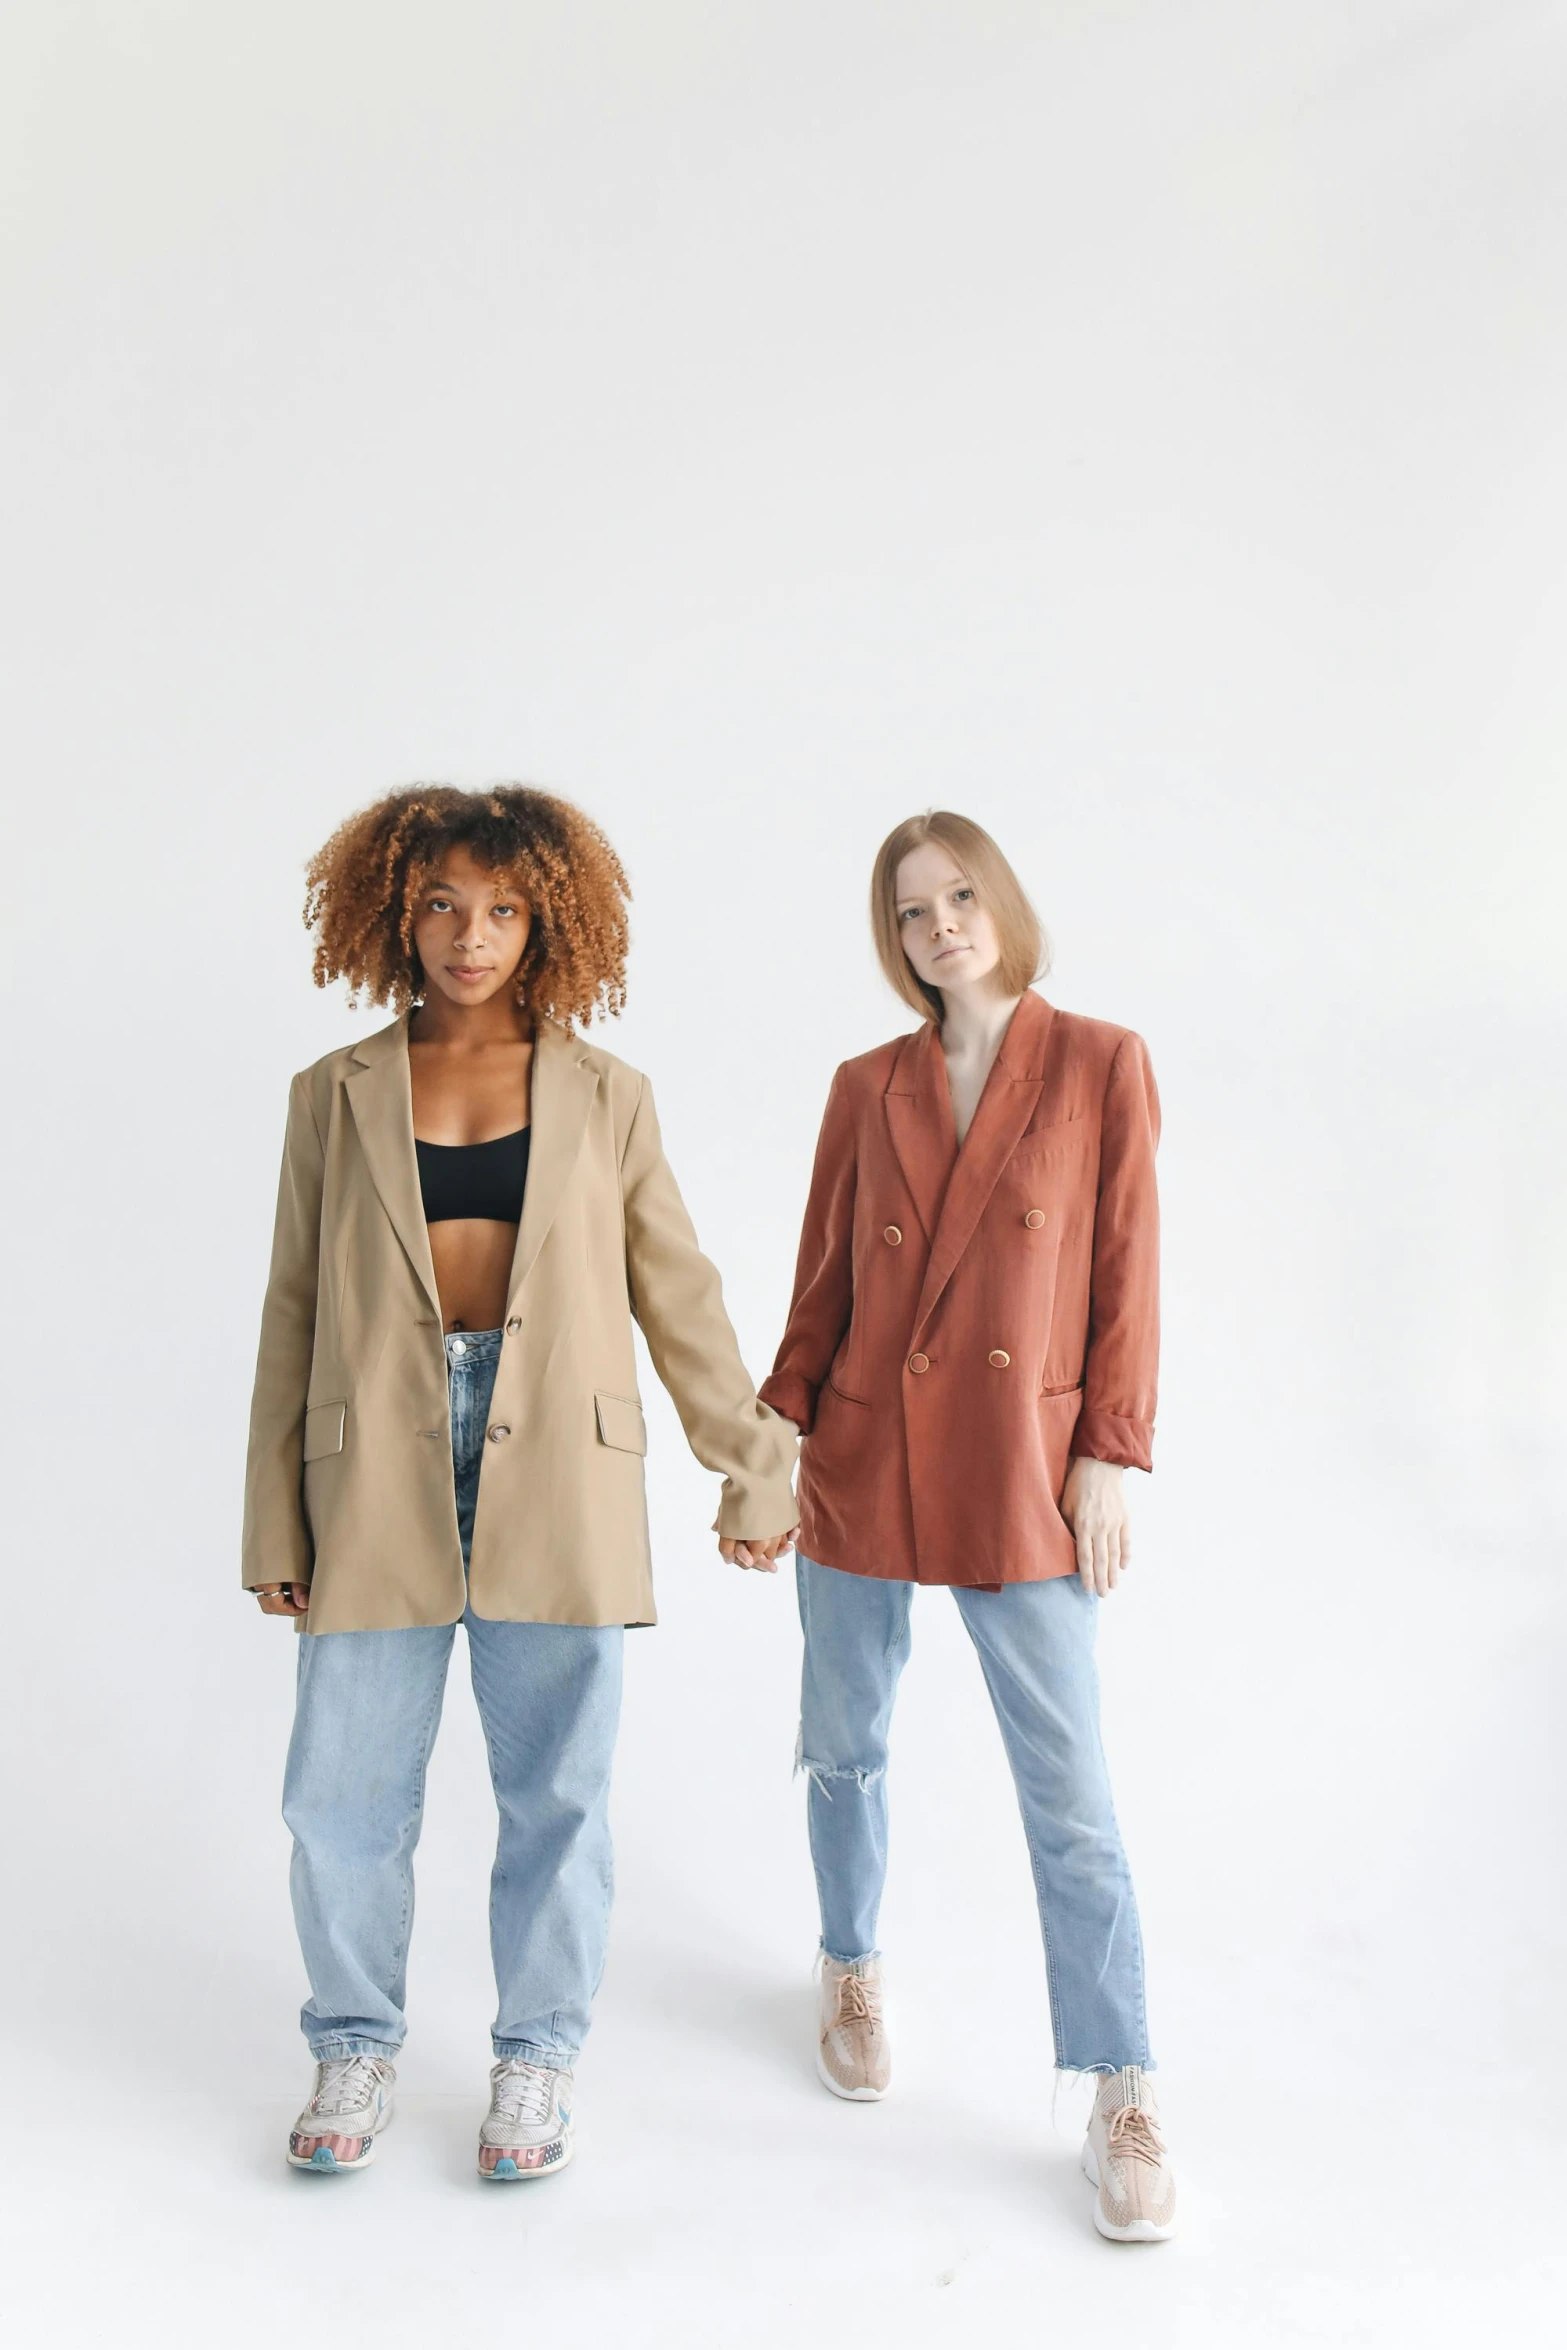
(999, 1358)
(919, 1363)
(892, 1235)
(515, 1323)
(1034, 1218)
(497, 1434)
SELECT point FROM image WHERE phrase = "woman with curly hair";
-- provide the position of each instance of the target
(474, 1206)
(971, 1357)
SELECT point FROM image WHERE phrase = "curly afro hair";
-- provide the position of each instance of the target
(364, 883)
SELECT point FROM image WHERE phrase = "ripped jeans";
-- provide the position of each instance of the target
(1036, 1649)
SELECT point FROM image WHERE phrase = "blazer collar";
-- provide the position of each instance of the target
(379, 1090)
(919, 1114)
(951, 1186)
(564, 1084)
(382, 1104)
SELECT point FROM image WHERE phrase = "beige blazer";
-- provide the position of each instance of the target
(348, 1484)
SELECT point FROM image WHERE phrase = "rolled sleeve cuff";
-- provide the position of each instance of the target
(1105, 1436)
(792, 1397)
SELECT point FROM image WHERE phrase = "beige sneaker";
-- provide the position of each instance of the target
(852, 2055)
(1124, 2157)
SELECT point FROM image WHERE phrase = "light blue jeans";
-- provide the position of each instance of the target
(1036, 1649)
(366, 1714)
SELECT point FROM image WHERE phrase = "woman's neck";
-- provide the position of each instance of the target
(974, 1024)
(470, 1027)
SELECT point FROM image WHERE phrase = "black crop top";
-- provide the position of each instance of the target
(474, 1178)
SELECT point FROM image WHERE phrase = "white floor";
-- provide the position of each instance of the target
(729, 2201)
(1352, 1994)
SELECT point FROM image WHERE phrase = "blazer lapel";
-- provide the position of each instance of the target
(382, 1102)
(919, 1115)
(564, 1084)
(1005, 1107)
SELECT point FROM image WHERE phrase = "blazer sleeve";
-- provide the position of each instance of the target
(276, 1545)
(823, 1299)
(677, 1299)
(1121, 1377)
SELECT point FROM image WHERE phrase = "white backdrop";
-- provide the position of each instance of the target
(1140, 428)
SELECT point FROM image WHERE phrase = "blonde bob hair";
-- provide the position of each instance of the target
(1025, 950)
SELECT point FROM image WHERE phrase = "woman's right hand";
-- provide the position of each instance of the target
(1094, 1506)
(763, 1554)
(283, 1599)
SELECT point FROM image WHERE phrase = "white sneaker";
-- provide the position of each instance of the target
(1124, 2156)
(349, 2106)
(527, 2130)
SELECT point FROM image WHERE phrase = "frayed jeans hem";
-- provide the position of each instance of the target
(1144, 2064)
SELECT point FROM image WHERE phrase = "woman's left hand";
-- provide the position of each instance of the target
(1094, 1506)
(764, 1555)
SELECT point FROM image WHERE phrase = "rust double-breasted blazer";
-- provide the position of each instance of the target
(965, 1320)
(349, 1478)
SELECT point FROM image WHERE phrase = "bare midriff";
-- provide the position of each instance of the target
(460, 1099)
(472, 1256)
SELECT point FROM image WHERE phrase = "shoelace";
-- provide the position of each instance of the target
(347, 2081)
(1073, 2083)
(1133, 2136)
(524, 2092)
(859, 2002)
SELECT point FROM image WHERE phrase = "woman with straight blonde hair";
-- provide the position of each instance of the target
(971, 1359)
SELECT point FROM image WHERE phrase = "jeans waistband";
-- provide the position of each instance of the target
(467, 1349)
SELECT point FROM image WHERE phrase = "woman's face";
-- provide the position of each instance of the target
(947, 934)
(470, 927)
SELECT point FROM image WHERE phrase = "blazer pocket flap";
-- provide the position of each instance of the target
(324, 1429)
(621, 1423)
(1046, 1142)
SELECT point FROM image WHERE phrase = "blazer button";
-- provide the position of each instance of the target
(515, 1323)
(919, 1363)
(1034, 1218)
(497, 1434)
(999, 1358)
(892, 1235)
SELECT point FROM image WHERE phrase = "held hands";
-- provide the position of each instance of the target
(764, 1555)
(1094, 1506)
(293, 1599)
(283, 1599)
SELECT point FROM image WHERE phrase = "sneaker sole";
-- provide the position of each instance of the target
(849, 2096)
(507, 2174)
(1141, 2231)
